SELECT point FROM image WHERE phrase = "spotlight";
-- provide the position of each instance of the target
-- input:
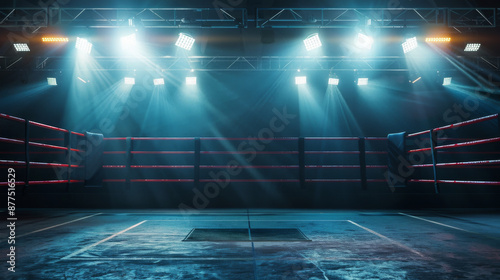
(55, 39)
(129, 41)
(52, 81)
(364, 42)
(129, 81)
(447, 81)
(83, 46)
(438, 39)
(410, 44)
(21, 47)
(300, 80)
(362, 81)
(158, 82)
(312, 42)
(190, 80)
(185, 41)
(472, 47)
(333, 81)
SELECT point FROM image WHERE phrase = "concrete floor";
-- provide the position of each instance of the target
(147, 244)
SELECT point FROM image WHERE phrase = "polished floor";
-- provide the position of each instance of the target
(151, 244)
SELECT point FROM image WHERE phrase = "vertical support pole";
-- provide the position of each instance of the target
(302, 162)
(128, 160)
(197, 160)
(27, 154)
(362, 161)
(68, 159)
(433, 137)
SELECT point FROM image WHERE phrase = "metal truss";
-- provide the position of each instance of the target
(378, 18)
(32, 18)
(485, 17)
(254, 63)
(37, 18)
(150, 17)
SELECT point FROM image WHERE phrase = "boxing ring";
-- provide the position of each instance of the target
(46, 155)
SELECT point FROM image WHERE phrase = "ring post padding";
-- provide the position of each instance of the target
(302, 162)
(397, 157)
(433, 136)
(68, 159)
(128, 160)
(362, 162)
(197, 160)
(27, 154)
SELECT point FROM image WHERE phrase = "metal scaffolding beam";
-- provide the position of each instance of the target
(472, 18)
(378, 18)
(349, 17)
(150, 17)
(33, 18)
(238, 17)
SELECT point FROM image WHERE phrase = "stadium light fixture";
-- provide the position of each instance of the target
(52, 81)
(129, 81)
(364, 42)
(300, 80)
(333, 81)
(437, 39)
(312, 42)
(362, 81)
(129, 41)
(83, 46)
(21, 47)
(55, 39)
(447, 81)
(185, 41)
(472, 47)
(409, 45)
(159, 81)
(191, 81)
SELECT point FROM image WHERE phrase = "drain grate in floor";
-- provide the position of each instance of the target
(242, 234)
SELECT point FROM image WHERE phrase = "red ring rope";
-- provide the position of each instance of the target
(487, 183)
(459, 164)
(458, 145)
(469, 122)
(12, 118)
(46, 182)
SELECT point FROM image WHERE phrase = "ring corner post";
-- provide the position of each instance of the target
(433, 138)
(197, 160)
(362, 162)
(67, 143)
(302, 162)
(128, 149)
(26, 155)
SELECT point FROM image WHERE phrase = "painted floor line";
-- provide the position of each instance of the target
(102, 241)
(58, 225)
(388, 239)
(232, 259)
(270, 220)
(434, 222)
